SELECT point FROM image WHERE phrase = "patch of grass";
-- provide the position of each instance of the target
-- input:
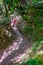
(40, 58)
(30, 62)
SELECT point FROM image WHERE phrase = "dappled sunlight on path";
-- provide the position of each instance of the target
(14, 46)
(16, 50)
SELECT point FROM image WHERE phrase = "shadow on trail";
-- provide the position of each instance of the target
(21, 50)
(23, 46)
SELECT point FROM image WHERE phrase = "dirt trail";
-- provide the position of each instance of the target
(15, 50)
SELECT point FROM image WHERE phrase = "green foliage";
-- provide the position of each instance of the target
(39, 13)
(5, 40)
(40, 58)
(4, 21)
(33, 27)
(10, 5)
(31, 62)
(1, 9)
(36, 1)
(37, 60)
(35, 47)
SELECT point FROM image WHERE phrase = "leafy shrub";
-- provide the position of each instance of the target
(30, 62)
(1, 9)
(40, 58)
(5, 40)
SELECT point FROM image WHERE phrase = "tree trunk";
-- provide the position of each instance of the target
(6, 9)
(10, 4)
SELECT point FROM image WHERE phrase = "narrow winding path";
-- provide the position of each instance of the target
(17, 48)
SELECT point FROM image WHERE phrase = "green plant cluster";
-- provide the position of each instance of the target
(5, 40)
(33, 27)
(30, 62)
